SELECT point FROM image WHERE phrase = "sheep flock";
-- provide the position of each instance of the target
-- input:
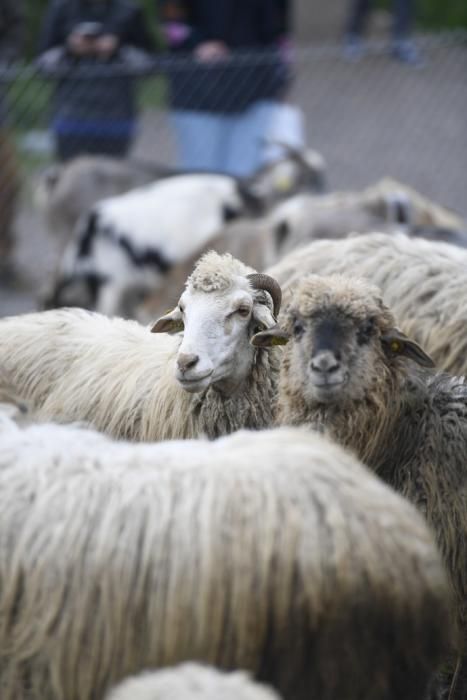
(233, 442)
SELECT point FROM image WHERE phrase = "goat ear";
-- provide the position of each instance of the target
(170, 323)
(271, 336)
(397, 343)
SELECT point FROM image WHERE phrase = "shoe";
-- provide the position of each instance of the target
(405, 51)
(354, 48)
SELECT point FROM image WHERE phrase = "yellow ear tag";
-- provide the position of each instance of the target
(396, 346)
(284, 183)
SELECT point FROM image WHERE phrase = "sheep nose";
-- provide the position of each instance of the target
(186, 362)
(325, 363)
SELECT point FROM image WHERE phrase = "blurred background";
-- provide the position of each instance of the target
(371, 103)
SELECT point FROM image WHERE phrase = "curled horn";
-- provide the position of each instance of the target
(293, 152)
(260, 281)
(315, 172)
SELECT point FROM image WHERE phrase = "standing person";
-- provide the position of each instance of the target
(227, 95)
(12, 33)
(95, 104)
(403, 48)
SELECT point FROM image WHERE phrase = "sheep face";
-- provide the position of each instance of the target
(336, 351)
(218, 313)
(343, 341)
(217, 328)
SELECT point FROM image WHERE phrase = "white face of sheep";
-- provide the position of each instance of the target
(342, 341)
(217, 327)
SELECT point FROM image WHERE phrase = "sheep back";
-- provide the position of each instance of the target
(275, 552)
(424, 283)
(74, 365)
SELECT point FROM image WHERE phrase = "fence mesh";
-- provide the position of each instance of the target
(369, 118)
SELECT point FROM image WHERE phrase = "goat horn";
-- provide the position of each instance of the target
(260, 281)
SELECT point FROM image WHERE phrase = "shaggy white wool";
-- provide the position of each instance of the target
(191, 682)
(271, 551)
(210, 276)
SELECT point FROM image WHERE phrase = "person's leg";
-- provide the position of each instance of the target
(355, 27)
(199, 139)
(357, 17)
(403, 47)
(403, 12)
(286, 125)
(246, 147)
(108, 146)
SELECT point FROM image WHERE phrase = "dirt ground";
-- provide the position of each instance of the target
(369, 119)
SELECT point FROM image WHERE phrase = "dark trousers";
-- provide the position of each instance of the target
(403, 12)
(69, 146)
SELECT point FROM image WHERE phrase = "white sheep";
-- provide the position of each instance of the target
(275, 552)
(75, 365)
(424, 282)
(191, 681)
(349, 371)
(134, 239)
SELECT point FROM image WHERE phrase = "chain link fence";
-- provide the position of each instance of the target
(369, 118)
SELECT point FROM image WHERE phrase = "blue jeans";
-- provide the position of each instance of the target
(228, 143)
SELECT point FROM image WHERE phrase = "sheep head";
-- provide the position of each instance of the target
(343, 341)
(224, 304)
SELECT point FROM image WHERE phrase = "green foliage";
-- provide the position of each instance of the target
(28, 98)
(436, 15)
(34, 13)
(449, 14)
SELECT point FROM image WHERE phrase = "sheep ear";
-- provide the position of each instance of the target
(263, 316)
(170, 323)
(271, 336)
(397, 343)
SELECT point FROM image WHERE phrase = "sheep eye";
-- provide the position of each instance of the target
(181, 308)
(243, 311)
(365, 331)
(298, 329)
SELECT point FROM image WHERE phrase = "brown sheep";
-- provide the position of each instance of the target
(346, 371)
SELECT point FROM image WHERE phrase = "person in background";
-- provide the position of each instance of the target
(403, 47)
(12, 35)
(95, 102)
(225, 97)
